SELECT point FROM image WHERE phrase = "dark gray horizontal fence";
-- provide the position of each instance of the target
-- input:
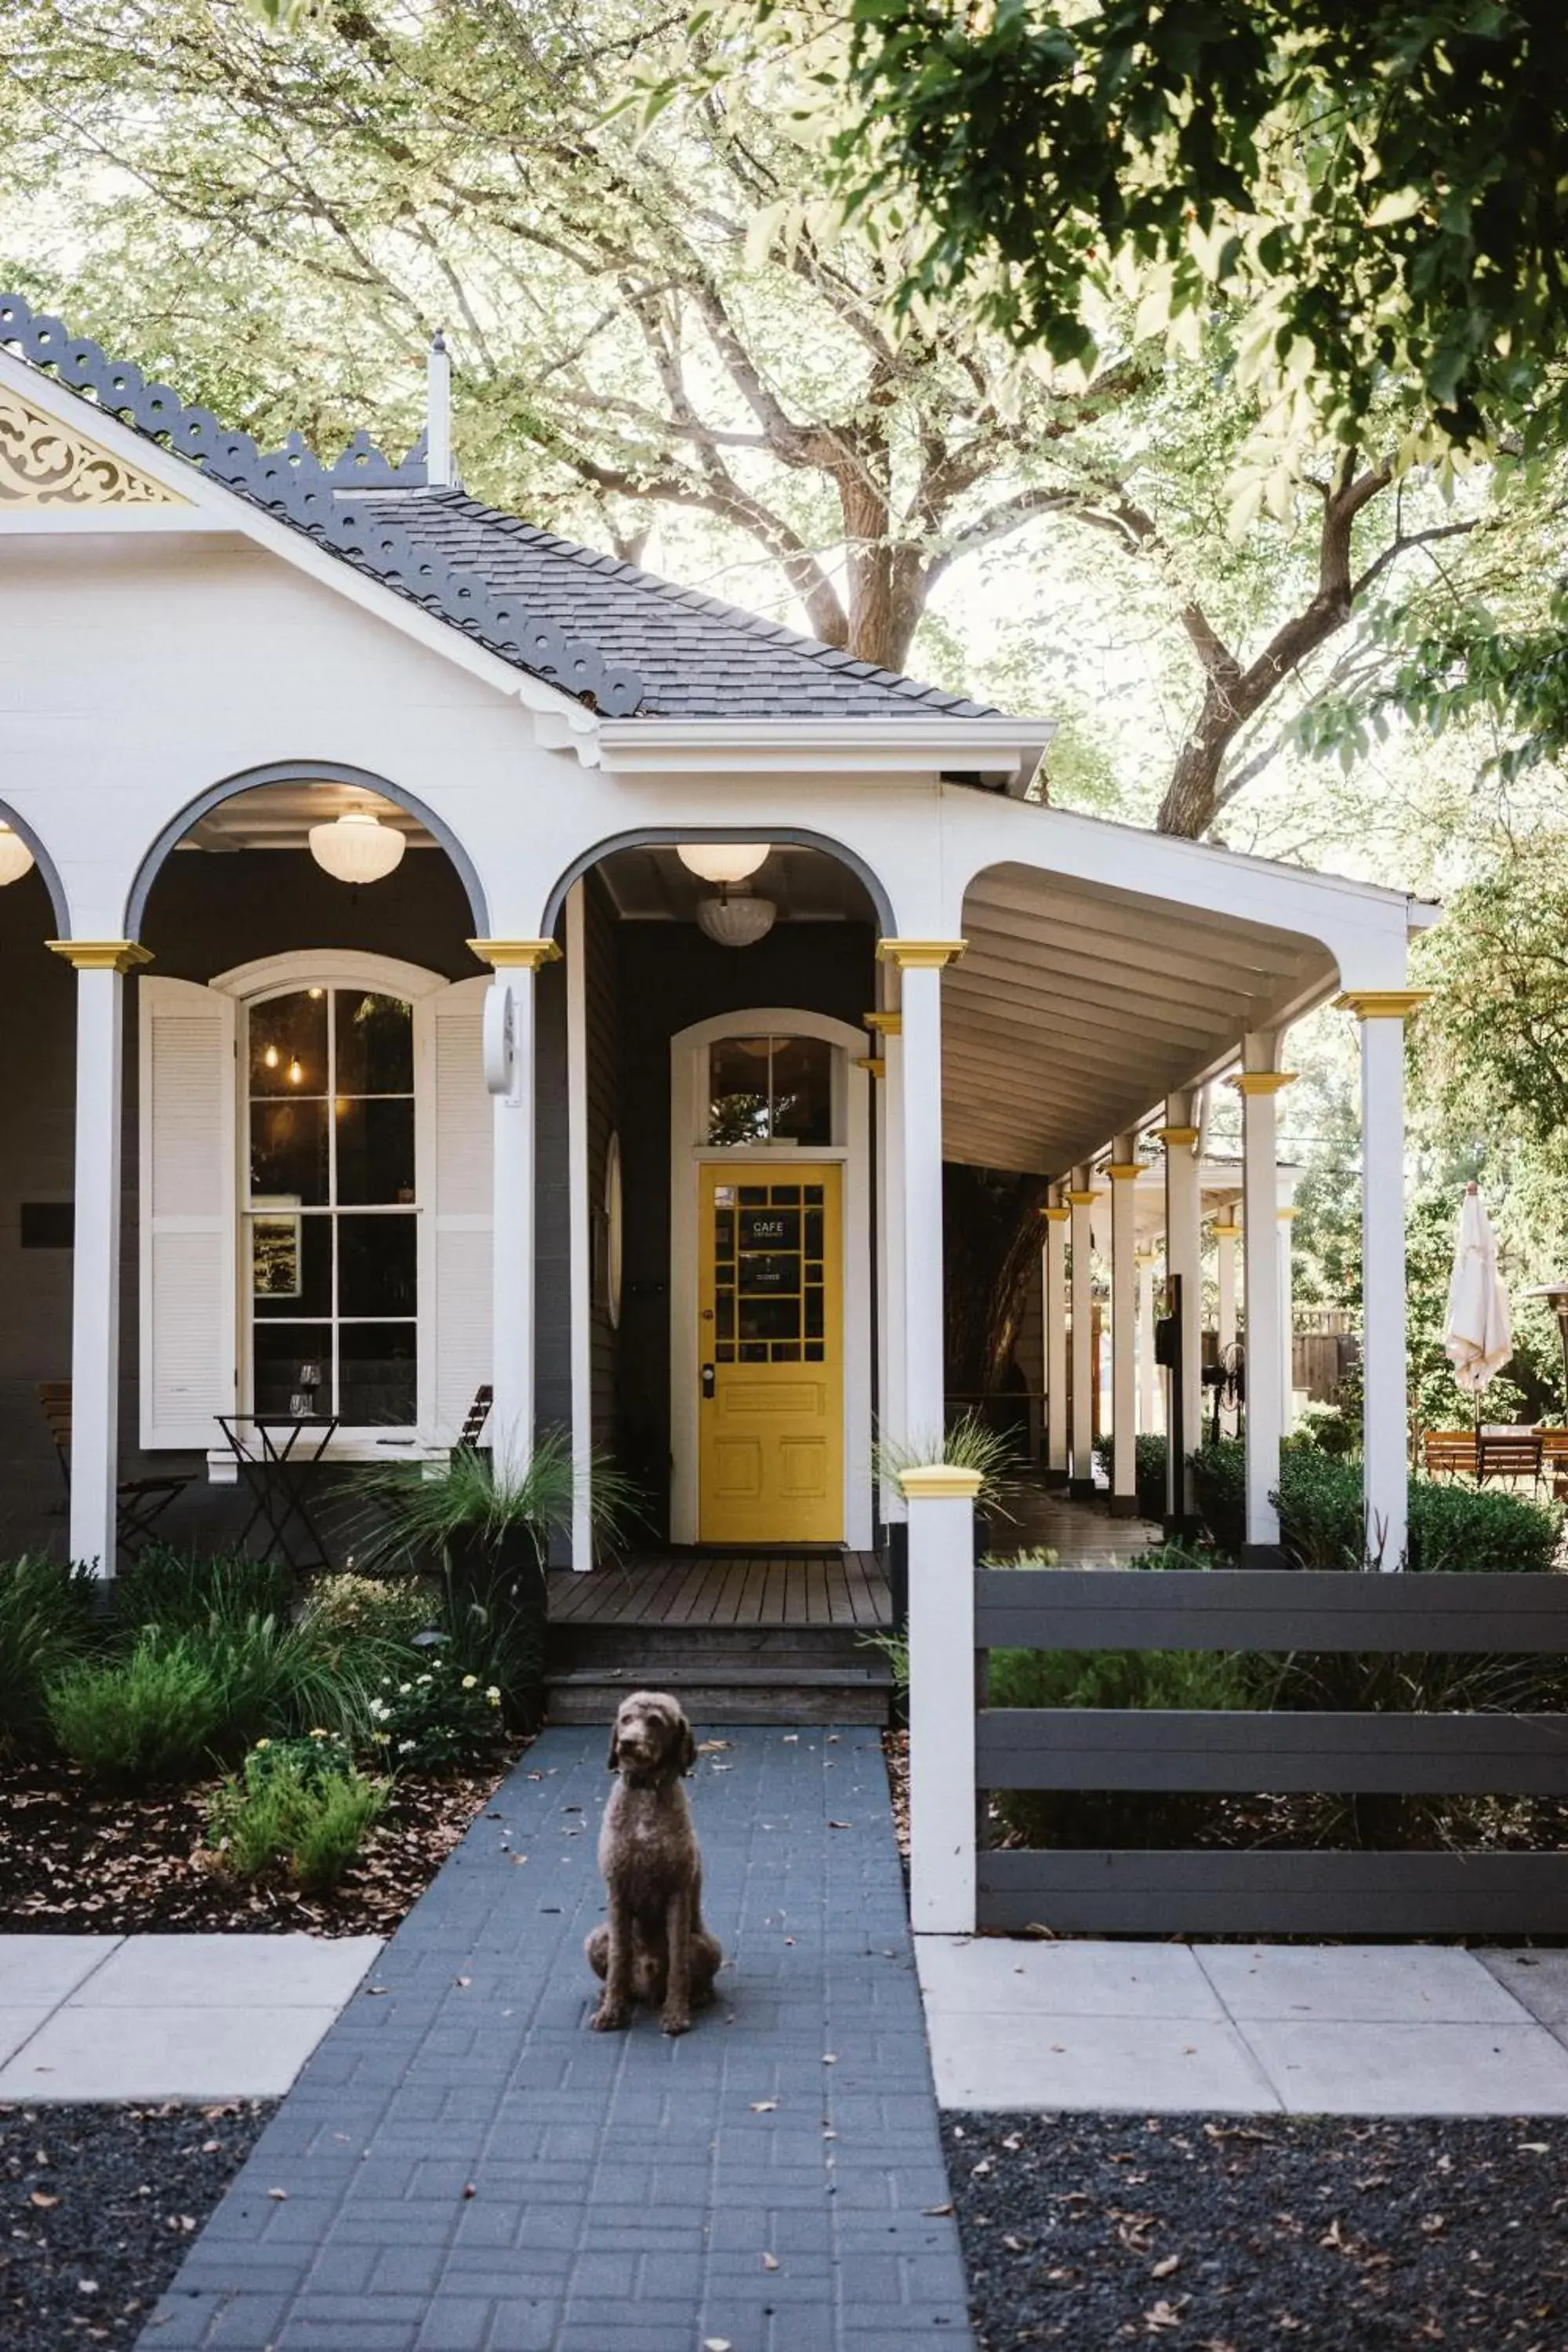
(1110, 1892)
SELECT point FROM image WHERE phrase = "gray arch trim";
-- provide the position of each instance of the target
(303, 772)
(46, 866)
(660, 836)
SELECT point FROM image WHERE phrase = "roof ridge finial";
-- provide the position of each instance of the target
(438, 413)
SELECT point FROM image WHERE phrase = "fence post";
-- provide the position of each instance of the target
(940, 1501)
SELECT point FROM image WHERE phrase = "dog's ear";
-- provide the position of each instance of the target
(688, 1749)
(613, 1761)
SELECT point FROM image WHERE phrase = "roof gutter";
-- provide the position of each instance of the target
(1001, 753)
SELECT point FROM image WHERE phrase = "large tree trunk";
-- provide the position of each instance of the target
(991, 1233)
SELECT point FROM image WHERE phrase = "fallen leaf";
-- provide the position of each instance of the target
(1014, 2245)
(470, 2190)
(830, 2057)
(764, 2107)
(1163, 2315)
(279, 2195)
(45, 2204)
(1163, 2270)
(1534, 2147)
(370, 1991)
(936, 2212)
(840, 1825)
(463, 1983)
(712, 1746)
(770, 2261)
(716, 2343)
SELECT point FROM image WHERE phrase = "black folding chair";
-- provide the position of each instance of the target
(139, 1503)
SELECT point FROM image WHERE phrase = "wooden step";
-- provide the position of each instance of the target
(645, 1648)
(718, 1693)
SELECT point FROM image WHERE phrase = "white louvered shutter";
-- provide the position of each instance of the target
(189, 1270)
(461, 1160)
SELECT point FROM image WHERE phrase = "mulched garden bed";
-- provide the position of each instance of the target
(75, 1861)
(1245, 2234)
(100, 2204)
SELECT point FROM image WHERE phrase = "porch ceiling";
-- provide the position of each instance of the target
(1079, 1007)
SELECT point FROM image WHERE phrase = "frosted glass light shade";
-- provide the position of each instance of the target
(356, 847)
(16, 858)
(723, 861)
(736, 922)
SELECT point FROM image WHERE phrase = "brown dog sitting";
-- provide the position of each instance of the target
(654, 1947)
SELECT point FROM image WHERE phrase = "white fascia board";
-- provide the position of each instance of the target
(214, 508)
(1004, 747)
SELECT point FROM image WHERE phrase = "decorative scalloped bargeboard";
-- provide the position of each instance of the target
(293, 483)
(43, 464)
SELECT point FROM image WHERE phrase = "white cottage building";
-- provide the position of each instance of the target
(553, 1105)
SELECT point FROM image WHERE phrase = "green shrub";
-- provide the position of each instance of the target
(1453, 1528)
(1039, 1556)
(1147, 1470)
(387, 1608)
(171, 1589)
(436, 1720)
(282, 1680)
(296, 1805)
(46, 1626)
(156, 1715)
(1118, 1678)
(1329, 1428)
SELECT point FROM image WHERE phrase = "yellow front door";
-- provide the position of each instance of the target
(769, 1370)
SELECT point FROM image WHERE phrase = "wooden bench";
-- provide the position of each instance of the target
(1449, 1452)
(1509, 1453)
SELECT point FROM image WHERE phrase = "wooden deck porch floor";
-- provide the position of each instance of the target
(847, 1590)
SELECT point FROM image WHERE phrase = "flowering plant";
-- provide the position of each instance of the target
(434, 1720)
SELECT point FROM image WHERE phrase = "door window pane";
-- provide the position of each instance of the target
(738, 1086)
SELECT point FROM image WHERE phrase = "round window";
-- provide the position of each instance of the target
(613, 1232)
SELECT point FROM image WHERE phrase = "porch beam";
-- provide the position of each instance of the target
(1060, 982)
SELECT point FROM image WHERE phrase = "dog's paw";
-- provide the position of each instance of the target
(676, 2020)
(610, 2017)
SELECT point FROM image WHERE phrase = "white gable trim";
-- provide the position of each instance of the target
(213, 507)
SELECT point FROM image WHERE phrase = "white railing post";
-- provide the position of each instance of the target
(941, 1504)
(1226, 1233)
(1054, 1268)
(100, 966)
(510, 1075)
(1124, 1174)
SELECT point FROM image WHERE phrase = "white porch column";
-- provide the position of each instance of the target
(919, 963)
(1148, 1370)
(1053, 1269)
(1080, 1200)
(886, 1026)
(1226, 1233)
(1124, 1174)
(1183, 1258)
(1385, 1472)
(509, 1072)
(580, 1282)
(941, 1504)
(1287, 1219)
(1259, 1082)
(100, 966)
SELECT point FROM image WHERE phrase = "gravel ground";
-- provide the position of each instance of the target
(100, 2205)
(1303, 2234)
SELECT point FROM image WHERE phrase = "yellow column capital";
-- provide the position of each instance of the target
(1261, 1081)
(1382, 1004)
(1083, 1199)
(1056, 1216)
(1285, 1215)
(920, 955)
(872, 1062)
(886, 1024)
(100, 955)
(1176, 1138)
(1119, 1174)
(1227, 1230)
(514, 955)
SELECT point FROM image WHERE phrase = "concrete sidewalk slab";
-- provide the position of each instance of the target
(1354, 1984)
(293, 1971)
(1027, 1977)
(40, 1971)
(1539, 1981)
(169, 2017)
(247, 2051)
(985, 2059)
(1388, 2069)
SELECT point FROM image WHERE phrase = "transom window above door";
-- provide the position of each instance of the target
(332, 1206)
(772, 1089)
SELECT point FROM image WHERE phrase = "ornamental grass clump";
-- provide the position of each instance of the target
(158, 1714)
(173, 1590)
(298, 1808)
(46, 1626)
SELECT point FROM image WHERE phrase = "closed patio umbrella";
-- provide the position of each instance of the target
(1478, 1337)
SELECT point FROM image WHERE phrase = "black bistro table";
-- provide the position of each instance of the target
(275, 1454)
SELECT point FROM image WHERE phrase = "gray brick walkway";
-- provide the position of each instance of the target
(467, 2168)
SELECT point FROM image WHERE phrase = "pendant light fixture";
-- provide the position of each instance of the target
(736, 922)
(16, 858)
(723, 861)
(356, 847)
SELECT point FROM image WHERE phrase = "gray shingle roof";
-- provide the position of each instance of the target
(697, 657)
(618, 638)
